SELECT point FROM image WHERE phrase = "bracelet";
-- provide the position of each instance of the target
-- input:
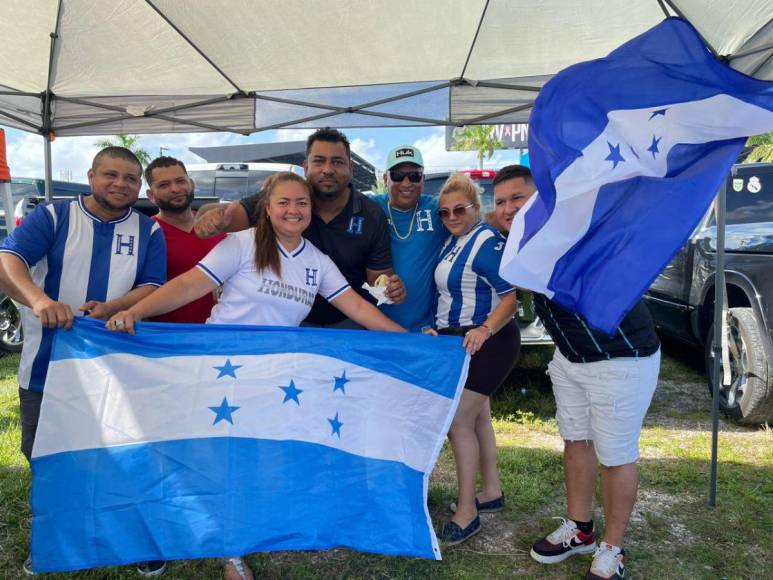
(488, 328)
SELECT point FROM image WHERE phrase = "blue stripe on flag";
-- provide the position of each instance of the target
(124, 504)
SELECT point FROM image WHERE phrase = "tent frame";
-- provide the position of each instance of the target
(48, 131)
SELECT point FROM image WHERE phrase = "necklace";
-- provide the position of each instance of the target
(394, 224)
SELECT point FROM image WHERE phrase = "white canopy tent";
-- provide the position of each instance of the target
(93, 67)
(85, 67)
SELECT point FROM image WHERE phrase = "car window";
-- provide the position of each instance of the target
(228, 187)
(750, 197)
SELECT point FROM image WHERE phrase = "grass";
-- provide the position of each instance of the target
(672, 533)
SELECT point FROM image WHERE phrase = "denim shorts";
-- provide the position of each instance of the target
(604, 402)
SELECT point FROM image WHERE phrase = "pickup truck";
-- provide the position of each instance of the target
(682, 298)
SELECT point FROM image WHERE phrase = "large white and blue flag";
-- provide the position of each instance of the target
(627, 153)
(191, 441)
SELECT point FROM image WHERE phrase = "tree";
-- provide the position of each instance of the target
(480, 138)
(130, 142)
(379, 187)
(759, 149)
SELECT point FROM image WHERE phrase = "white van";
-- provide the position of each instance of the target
(232, 181)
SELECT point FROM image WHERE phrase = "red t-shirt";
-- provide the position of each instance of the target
(183, 252)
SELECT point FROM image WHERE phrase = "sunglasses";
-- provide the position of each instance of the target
(398, 176)
(458, 211)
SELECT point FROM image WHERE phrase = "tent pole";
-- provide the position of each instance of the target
(47, 161)
(716, 349)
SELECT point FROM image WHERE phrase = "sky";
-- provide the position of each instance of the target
(71, 156)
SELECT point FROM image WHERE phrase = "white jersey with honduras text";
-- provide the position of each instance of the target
(263, 298)
(467, 278)
(76, 257)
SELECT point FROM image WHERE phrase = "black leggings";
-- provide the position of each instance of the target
(490, 366)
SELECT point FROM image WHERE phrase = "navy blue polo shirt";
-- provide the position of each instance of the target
(578, 342)
(356, 239)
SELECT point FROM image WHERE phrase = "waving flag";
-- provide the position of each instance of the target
(198, 441)
(627, 153)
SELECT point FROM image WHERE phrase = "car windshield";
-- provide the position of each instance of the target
(434, 183)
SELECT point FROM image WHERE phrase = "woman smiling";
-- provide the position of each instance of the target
(474, 302)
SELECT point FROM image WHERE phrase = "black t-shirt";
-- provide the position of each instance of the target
(356, 239)
(578, 342)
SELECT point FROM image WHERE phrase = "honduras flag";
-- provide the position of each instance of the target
(627, 153)
(191, 441)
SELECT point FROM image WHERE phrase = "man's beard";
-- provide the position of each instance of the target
(104, 203)
(167, 206)
(327, 194)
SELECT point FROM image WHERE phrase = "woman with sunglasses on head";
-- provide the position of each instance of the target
(251, 265)
(474, 302)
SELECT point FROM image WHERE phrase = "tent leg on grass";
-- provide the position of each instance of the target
(719, 333)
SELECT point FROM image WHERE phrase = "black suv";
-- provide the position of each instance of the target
(682, 298)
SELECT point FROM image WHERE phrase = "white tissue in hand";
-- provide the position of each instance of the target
(379, 293)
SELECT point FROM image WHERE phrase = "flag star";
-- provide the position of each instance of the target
(614, 154)
(661, 112)
(228, 369)
(291, 393)
(654, 147)
(340, 382)
(336, 426)
(223, 412)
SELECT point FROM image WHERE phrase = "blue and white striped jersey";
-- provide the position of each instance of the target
(467, 278)
(76, 257)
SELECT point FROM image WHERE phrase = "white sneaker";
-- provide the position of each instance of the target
(236, 568)
(27, 566)
(608, 563)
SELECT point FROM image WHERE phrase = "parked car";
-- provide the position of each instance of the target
(232, 181)
(536, 344)
(682, 298)
(25, 187)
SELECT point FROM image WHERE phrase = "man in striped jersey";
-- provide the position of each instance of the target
(603, 387)
(91, 256)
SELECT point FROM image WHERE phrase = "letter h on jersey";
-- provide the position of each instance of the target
(121, 245)
(355, 225)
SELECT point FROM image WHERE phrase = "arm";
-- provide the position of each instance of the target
(363, 312)
(17, 283)
(500, 316)
(104, 310)
(214, 219)
(182, 290)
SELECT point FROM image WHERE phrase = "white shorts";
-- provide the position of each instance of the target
(604, 402)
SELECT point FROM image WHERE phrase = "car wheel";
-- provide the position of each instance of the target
(11, 333)
(749, 397)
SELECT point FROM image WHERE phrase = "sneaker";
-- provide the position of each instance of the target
(151, 568)
(236, 569)
(453, 533)
(608, 563)
(27, 567)
(486, 507)
(566, 541)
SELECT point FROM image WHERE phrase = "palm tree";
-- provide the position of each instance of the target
(478, 138)
(130, 142)
(759, 149)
